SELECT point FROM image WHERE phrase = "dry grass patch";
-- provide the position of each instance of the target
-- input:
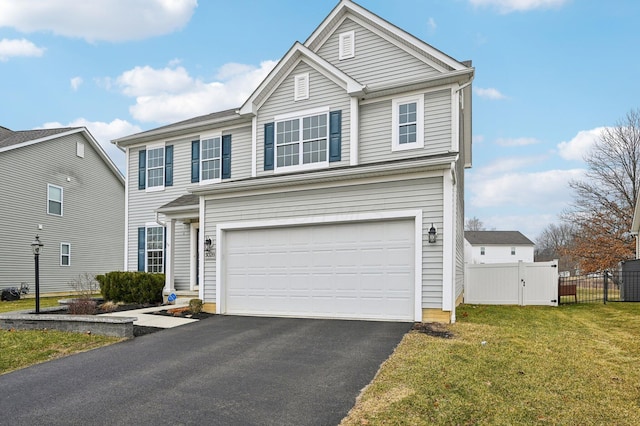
(29, 303)
(539, 365)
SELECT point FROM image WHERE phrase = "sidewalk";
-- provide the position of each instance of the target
(147, 319)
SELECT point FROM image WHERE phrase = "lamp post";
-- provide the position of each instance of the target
(36, 246)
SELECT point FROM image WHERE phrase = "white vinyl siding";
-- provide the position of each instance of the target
(378, 61)
(92, 195)
(54, 200)
(425, 194)
(324, 93)
(376, 129)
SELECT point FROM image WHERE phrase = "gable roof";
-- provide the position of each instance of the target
(511, 238)
(10, 140)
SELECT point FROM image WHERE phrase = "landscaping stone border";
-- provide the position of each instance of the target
(93, 324)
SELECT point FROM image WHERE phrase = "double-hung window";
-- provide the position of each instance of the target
(302, 141)
(155, 249)
(155, 167)
(65, 254)
(54, 200)
(408, 123)
(211, 158)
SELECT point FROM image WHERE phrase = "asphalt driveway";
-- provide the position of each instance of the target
(225, 370)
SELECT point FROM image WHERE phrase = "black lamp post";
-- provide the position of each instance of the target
(36, 246)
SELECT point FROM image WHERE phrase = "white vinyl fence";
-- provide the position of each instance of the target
(512, 283)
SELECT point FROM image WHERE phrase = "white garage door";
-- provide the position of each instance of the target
(362, 270)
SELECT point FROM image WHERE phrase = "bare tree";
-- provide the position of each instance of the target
(554, 242)
(602, 211)
(474, 224)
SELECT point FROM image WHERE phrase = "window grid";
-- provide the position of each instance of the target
(65, 254)
(311, 134)
(407, 120)
(211, 158)
(155, 167)
(155, 249)
(482, 251)
(54, 200)
(513, 251)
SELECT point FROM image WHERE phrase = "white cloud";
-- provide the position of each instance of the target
(548, 189)
(489, 93)
(104, 133)
(431, 25)
(76, 82)
(477, 139)
(576, 148)
(530, 225)
(508, 6)
(110, 20)
(505, 165)
(22, 47)
(516, 141)
(171, 94)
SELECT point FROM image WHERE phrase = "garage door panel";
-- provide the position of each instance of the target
(361, 270)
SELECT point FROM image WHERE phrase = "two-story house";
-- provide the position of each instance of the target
(58, 184)
(497, 247)
(335, 191)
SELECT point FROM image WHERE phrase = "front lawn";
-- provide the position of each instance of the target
(20, 349)
(506, 365)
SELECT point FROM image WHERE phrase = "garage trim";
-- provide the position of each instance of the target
(416, 215)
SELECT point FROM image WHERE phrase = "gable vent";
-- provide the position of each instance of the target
(347, 45)
(301, 90)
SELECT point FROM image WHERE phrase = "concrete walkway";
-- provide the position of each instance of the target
(224, 370)
(146, 319)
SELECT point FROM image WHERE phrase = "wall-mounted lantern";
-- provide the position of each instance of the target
(209, 251)
(432, 234)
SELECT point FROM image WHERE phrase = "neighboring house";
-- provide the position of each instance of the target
(62, 186)
(497, 247)
(315, 197)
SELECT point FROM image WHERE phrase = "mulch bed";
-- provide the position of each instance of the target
(433, 329)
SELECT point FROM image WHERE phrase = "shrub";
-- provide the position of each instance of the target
(85, 285)
(82, 306)
(195, 306)
(109, 306)
(131, 287)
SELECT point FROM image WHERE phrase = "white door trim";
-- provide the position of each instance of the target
(193, 256)
(415, 215)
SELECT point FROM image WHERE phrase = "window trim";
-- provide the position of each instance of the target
(202, 181)
(300, 115)
(513, 251)
(146, 247)
(482, 251)
(49, 186)
(395, 137)
(148, 148)
(342, 53)
(68, 255)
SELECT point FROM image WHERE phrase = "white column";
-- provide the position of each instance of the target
(169, 256)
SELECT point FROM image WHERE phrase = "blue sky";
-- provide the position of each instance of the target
(550, 74)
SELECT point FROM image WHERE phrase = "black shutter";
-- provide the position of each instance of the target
(268, 146)
(195, 161)
(335, 136)
(142, 169)
(226, 157)
(141, 248)
(168, 165)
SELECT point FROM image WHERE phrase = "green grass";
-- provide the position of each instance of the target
(30, 303)
(20, 349)
(575, 364)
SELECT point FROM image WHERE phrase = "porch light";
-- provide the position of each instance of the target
(432, 234)
(208, 249)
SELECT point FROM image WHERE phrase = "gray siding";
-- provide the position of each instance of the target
(377, 61)
(425, 194)
(240, 152)
(322, 93)
(92, 221)
(376, 129)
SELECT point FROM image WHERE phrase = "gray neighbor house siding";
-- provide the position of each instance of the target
(364, 179)
(91, 225)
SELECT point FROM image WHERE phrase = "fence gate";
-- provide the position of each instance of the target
(512, 283)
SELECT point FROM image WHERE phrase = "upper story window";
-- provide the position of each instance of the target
(211, 158)
(302, 141)
(481, 251)
(408, 123)
(347, 45)
(155, 167)
(305, 140)
(513, 251)
(54, 200)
